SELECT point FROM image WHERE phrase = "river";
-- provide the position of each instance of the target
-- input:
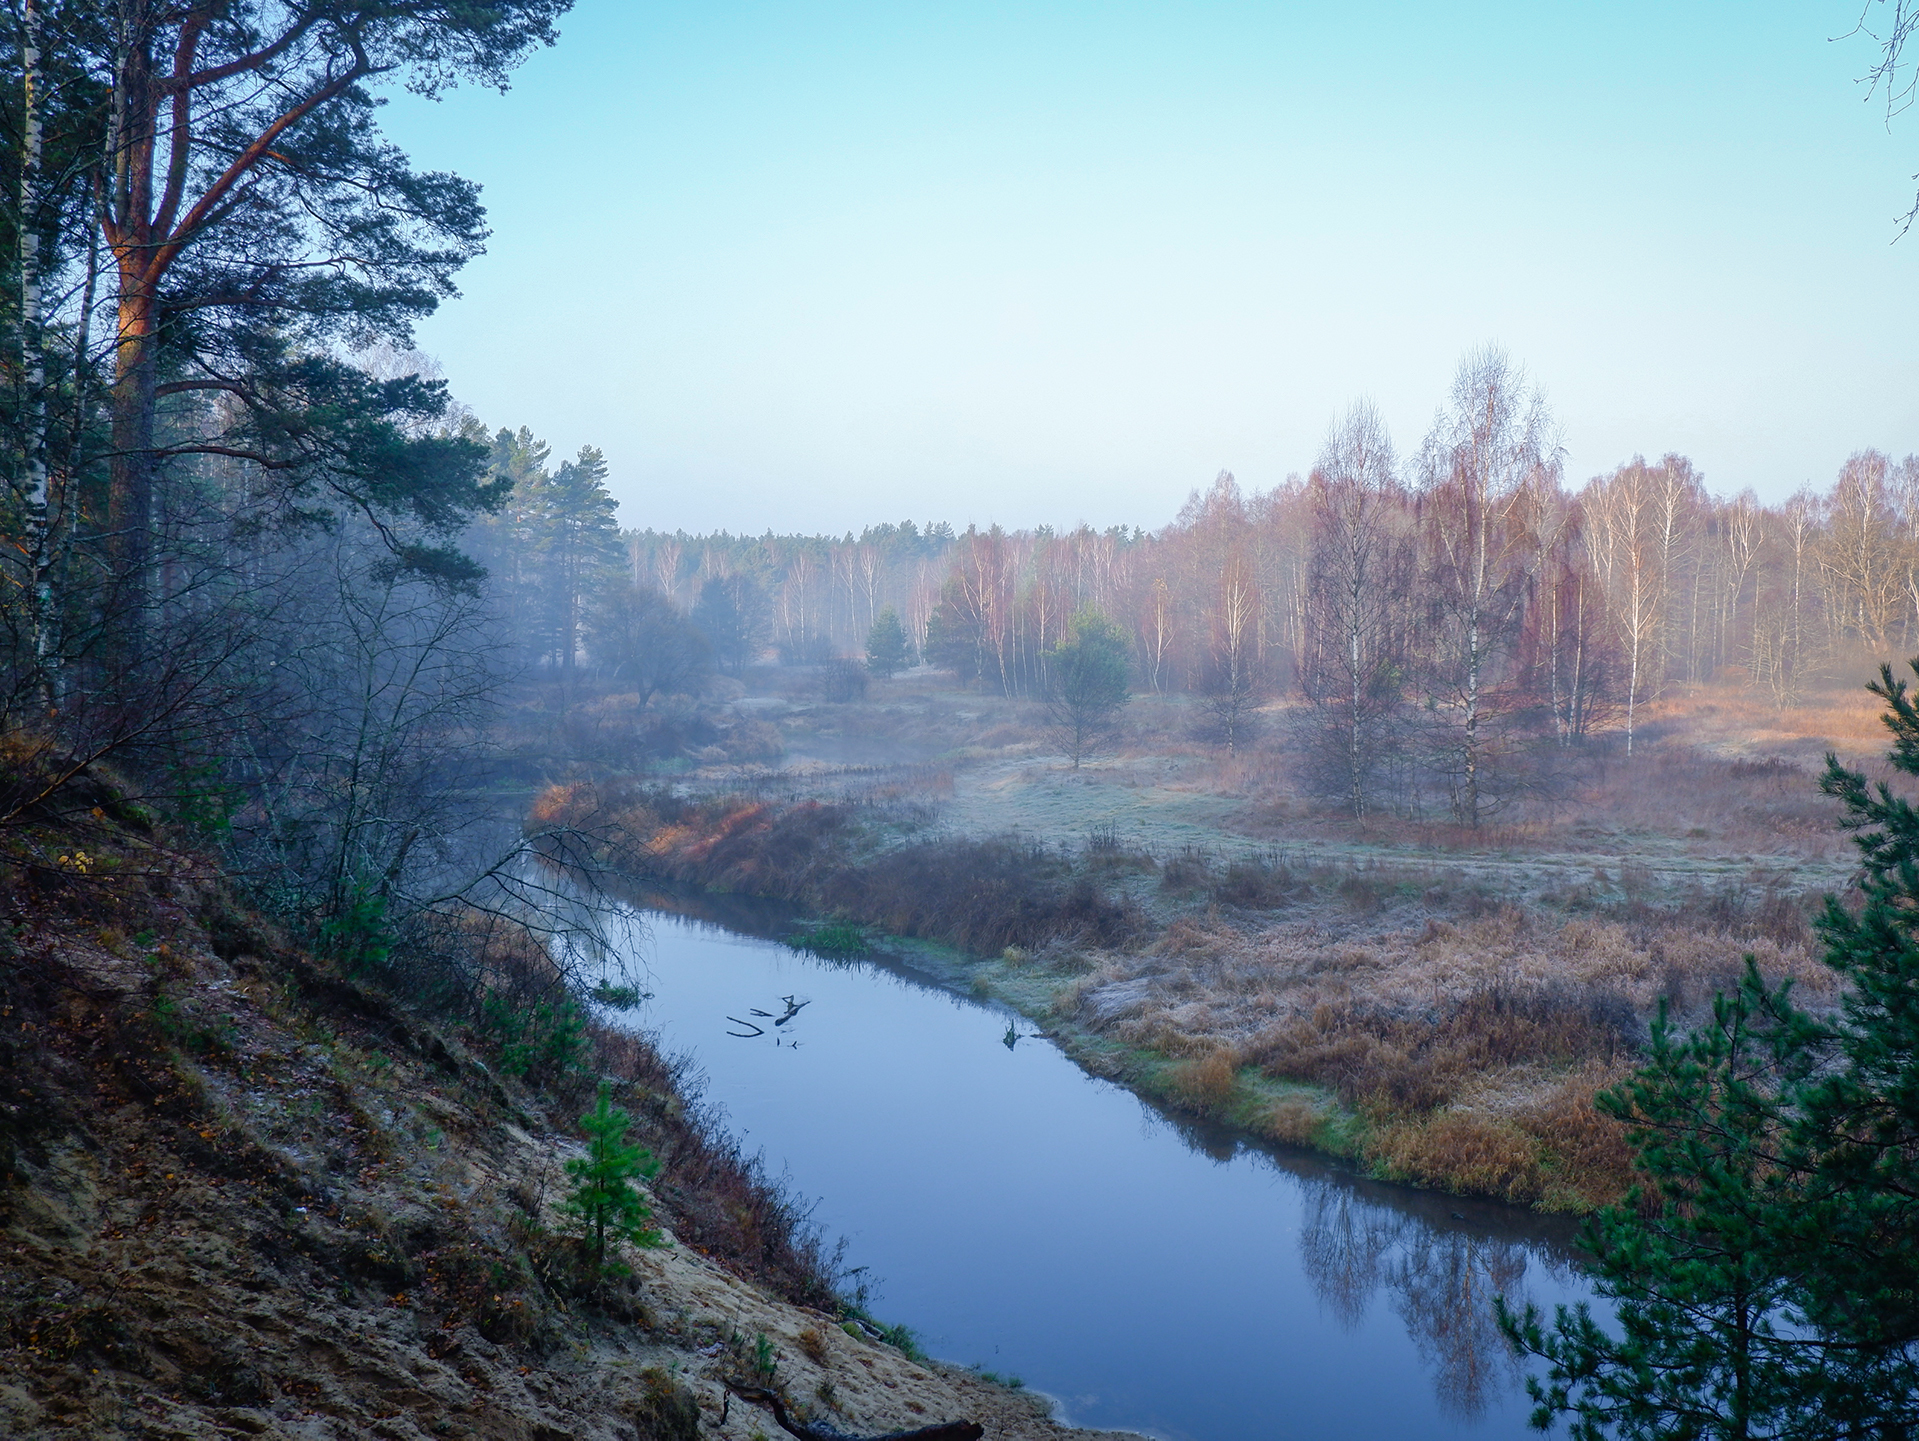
(1023, 1216)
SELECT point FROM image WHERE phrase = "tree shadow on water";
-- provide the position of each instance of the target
(1440, 1282)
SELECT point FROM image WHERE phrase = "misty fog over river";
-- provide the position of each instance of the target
(1025, 1217)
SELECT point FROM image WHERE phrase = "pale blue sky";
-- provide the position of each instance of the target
(811, 266)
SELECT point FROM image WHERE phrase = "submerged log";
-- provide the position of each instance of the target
(817, 1431)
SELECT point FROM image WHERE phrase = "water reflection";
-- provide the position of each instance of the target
(1442, 1286)
(992, 1185)
(1342, 1248)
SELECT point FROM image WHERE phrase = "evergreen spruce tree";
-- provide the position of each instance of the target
(886, 644)
(604, 1202)
(1086, 682)
(1765, 1274)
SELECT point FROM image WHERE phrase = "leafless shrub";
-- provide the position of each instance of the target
(842, 681)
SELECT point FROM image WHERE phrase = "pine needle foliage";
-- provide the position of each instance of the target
(604, 1203)
(1765, 1273)
(886, 652)
(1086, 682)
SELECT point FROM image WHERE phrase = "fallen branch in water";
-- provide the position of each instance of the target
(814, 1431)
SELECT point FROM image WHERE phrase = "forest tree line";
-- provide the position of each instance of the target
(200, 445)
(1439, 613)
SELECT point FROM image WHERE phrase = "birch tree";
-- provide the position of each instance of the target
(1629, 507)
(1489, 448)
(1352, 678)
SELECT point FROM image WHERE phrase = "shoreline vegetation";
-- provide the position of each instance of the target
(1392, 1015)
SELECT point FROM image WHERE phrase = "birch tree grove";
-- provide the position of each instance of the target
(1428, 635)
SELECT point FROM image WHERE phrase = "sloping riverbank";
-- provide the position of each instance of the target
(246, 1192)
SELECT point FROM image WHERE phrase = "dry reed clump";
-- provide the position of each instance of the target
(914, 786)
(1259, 886)
(1294, 1120)
(1071, 998)
(1190, 870)
(752, 740)
(1463, 1152)
(1200, 937)
(1206, 1083)
(1168, 1032)
(1586, 1158)
(812, 1342)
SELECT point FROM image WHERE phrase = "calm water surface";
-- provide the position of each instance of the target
(1023, 1216)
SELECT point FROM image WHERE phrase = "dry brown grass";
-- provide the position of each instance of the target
(1205, 1083)
(1473, 1045)
(1294, 1120)
(812, 1342)
(1462, 1151)
(1588, 1160)
(837, 858)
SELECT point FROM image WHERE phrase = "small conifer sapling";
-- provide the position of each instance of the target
(604, 1203)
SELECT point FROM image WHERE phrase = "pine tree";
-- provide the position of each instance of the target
(886, 644)
(1702, 1348)
(604, 1202)
(731, 613)
(1853, 1242)
(1766, 1274)
(1086, 682)
(252, 217)
(582, 544)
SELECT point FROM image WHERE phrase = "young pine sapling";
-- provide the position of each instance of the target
(604, 1202)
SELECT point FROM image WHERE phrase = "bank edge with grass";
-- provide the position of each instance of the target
(1484, 1087)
